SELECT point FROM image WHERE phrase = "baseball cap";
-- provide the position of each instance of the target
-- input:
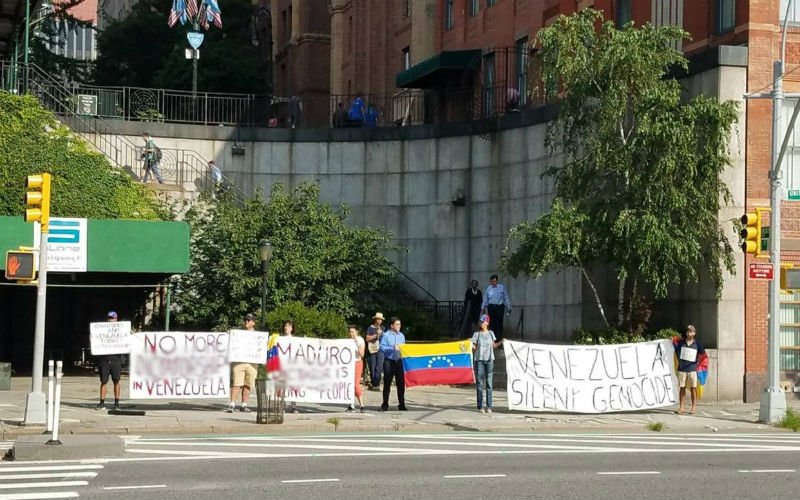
(112, 314)
(249, 317)
(485, 319)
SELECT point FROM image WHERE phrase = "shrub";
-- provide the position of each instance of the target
(308, 321)
(790, 421)
(665, 333)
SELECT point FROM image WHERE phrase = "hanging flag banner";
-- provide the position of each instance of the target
(173, 365)
(248, 346)
(314, 370)
(445, 363)
(590, 378)
(110, 337)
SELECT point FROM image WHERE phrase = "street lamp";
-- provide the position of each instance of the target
(265, 252)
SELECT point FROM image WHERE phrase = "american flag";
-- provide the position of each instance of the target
(213, 13)
(176, 12)
(191, 8)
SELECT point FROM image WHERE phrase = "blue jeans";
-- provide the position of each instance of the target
(485, 371)
(376, 367)
(152, 167)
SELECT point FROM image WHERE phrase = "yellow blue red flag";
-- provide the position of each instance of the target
(445, 363)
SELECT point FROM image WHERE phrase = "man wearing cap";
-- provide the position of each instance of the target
(109, 365)
(375, 358)
(244, 375)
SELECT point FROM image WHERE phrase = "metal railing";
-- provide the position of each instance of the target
(449, 313)
(178, 166)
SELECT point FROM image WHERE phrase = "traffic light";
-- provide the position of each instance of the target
(20, 265)
(790, 278)
(751, 233)
(37, 197)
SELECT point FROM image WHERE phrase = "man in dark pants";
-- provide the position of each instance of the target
(110, 365)
(390, 344)
(497, 304)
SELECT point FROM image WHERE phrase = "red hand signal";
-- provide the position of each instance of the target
(13, 265)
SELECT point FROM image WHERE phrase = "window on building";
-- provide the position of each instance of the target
(724, 15)
(448, 14)
(669, 13)
(791, 165)
(350, 33)
(474, 6)
(521, 49)
(790, 332)
(283, 25)
(794, 13)
(489, 3)
(289, 26)
(624, 14)
(406, 58)
(488, 85)
(406, 8)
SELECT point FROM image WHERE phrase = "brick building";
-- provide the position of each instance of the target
(476, 50)
(301, 34)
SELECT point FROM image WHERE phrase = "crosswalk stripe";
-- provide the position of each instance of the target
(40, 496)
(13, 468)
(54, 484)
(49, 475)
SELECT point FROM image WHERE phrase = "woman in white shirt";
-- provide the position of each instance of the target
(360, 346)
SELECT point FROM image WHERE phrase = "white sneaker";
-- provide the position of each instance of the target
(484, 409)
(488, 411)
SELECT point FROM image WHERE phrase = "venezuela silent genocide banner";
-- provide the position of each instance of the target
(590, 378)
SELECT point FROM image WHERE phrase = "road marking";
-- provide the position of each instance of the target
(39, 496)
(473, 475)
(55, 484)
(12, 468)
(291, 481)
(140, 487)
(767, 470)
(48, 475)
(629, 473)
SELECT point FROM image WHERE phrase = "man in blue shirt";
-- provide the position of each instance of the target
(497, 304)
(392, 364)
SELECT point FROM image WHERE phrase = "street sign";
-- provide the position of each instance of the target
(195, 39)
(794, 194)
(20, 265)
(87, 104)
(761, 271)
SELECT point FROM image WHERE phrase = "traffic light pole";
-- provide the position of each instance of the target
(35, 404)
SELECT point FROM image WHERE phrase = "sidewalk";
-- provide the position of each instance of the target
(431, 409)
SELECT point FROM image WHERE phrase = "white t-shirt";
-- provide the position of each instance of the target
(359, 344)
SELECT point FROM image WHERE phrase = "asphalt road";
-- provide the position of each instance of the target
(466, 465)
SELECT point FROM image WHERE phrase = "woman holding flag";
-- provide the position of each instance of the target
(483, 344)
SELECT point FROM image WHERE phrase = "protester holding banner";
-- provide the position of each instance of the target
(352, 330)
(243, 375)
(110, 365)
(689, 351)
(288, 331)
(484, 343)
(390, 344)
(375, 359)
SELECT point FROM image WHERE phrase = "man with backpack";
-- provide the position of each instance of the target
(151, 156)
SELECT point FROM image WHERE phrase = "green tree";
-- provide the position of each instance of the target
(56, 25)
(317, 260)
(141, 50)
(84, 183)
(638, 183)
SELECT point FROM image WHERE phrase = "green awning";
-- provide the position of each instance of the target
(429, 72)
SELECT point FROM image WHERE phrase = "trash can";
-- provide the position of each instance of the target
(5, 376)
(270, 402)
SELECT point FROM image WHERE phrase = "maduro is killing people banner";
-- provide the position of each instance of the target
(590, 378)
(172, 365)
(314, 370)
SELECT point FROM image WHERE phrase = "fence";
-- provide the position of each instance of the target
(178, 166)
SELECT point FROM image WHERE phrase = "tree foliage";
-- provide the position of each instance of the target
(57, 24)
(84, 183)
(141, 50)
(317, 259)
(638, 182)
(308, 321)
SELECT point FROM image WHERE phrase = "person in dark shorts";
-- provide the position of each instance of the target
(110, 366)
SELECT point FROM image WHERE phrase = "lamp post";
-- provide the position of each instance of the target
(265, 252)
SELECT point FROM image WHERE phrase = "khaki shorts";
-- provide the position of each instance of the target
(687, 379)
(244, 374)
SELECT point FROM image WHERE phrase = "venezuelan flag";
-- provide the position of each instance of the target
(273, 360)
(444, 363)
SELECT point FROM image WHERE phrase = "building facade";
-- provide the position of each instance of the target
(301, 36)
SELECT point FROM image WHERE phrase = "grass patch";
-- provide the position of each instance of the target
(790, 421)
(334, 422)
(656, 426)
